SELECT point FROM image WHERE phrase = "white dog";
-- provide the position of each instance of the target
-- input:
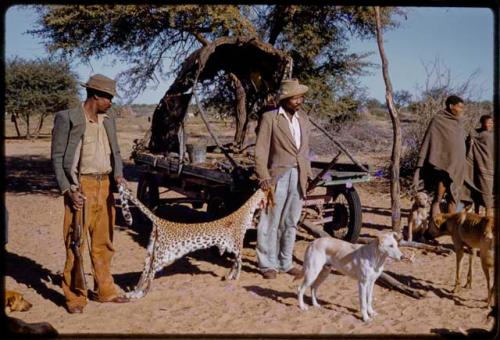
(364, 263)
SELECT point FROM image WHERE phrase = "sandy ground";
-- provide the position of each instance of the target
(189, 297)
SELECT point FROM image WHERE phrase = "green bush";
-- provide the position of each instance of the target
(36, 89)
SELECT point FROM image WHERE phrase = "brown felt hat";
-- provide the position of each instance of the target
(101, 83)
(290, 88)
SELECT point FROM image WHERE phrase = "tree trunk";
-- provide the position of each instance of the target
(282, 16)
(396, 128)
(13, 119)
(241, 111)
(39, 128)
(28, 135)
(201, 38)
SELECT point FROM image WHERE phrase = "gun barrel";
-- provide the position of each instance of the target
(78, 280)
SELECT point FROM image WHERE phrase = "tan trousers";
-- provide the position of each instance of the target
(99, 218)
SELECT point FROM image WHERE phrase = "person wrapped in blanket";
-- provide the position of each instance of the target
(441, 161)
(480, 168)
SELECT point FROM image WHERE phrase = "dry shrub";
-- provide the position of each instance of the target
(361, 136)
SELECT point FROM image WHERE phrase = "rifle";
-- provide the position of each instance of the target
(78, 281)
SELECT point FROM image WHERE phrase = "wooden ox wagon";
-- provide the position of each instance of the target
(221, 176)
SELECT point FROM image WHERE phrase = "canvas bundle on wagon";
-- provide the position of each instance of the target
(222, 175)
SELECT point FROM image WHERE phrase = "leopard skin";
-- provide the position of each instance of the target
(170, 241)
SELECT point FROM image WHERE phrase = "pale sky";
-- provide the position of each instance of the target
(462, 39)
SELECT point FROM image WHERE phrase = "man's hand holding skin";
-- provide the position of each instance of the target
(265, 184)
(121, 181)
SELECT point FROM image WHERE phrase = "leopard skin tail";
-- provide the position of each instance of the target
(127, 216)
(149, 271)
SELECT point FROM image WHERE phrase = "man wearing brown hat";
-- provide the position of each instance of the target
(85, 154)
(281, 162)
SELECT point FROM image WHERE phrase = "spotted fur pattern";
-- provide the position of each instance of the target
(170, 241)
(127, 216)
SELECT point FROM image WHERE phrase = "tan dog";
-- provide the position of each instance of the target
(15, 302)
(417, 220)
(474, 232)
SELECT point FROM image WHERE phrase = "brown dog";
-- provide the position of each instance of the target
(417, 220)
(15, 302)
(474, 232)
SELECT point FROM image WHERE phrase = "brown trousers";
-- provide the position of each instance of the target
(99, 218)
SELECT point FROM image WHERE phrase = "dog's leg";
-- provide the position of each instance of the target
(302, 289)
(312, 267)
(370, 310)
(487, 262)
(459, 254)
(319, 280)
(468, 285)
(491, 299)
(313, 264)
(410, 227)
(363, 300)
(309, 278)
(486, 271)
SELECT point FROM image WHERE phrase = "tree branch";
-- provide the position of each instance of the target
(201, 38)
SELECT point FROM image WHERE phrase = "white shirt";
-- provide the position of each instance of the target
(294, 125)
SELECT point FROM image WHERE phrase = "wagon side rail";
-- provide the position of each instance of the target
(340, 173)
(171, 166)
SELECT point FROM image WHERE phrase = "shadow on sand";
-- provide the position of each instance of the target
(28, 272)
(30, 174)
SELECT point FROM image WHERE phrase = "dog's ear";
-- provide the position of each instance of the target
(380, 238)
(9, 300)
(437, 223)
(397, 236)
(427, 199)
(437, 220)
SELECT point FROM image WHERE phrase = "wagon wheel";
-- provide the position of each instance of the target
(148, 192)
(217, 206)
(344, 209)
(222, 202)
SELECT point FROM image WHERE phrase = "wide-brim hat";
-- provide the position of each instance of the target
(290, 88)
(101, 83)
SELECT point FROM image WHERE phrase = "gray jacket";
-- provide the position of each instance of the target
(69, 127)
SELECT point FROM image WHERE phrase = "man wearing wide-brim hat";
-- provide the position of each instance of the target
(282, 162)
(86, 159)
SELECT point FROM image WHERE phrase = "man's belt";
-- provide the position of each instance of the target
(97, 177)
